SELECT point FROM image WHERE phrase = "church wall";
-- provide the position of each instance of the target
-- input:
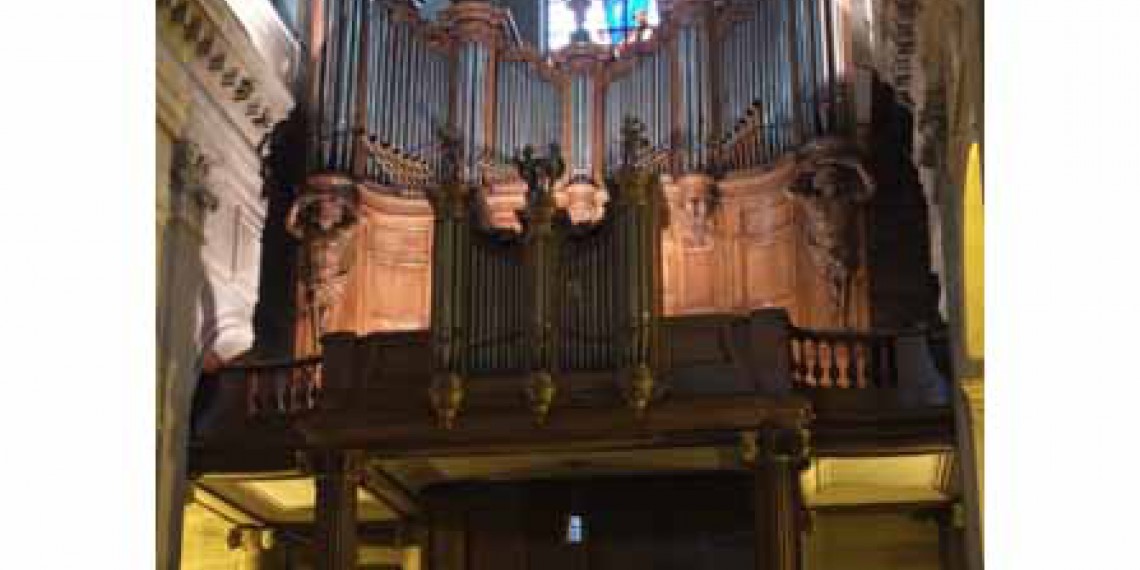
(223, 81)
(950, 132)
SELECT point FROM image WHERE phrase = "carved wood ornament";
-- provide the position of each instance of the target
(324, 220)
(830, 185)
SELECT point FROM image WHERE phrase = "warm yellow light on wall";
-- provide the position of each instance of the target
(973, 247)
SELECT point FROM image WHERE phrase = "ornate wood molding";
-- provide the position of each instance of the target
(477, 21)
(831, 184)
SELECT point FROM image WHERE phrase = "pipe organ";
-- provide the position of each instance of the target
(581, 131)
(556, 297)
(730, 86)
(406, 96)
(696, 109)
(497, 298)
(777, 79)
(528, 107)
(642, 91)
(334, 86)
(736, 85)
(378, 92)
(473, 61)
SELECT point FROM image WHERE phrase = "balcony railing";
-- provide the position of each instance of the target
(280, 388)
(814, 362)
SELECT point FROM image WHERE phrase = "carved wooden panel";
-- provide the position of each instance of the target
(769, 274)
(399, 299)
(388, 285)
(699, 280)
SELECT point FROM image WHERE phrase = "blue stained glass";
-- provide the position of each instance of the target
(620, 16)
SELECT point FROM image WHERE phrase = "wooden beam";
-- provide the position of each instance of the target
(574, 426)
(391, 492)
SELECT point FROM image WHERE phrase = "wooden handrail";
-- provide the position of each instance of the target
(271, 364)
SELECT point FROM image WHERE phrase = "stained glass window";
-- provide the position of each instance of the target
(607, 21)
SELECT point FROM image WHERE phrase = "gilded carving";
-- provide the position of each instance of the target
(641, 389)
(446, 394)
(540, 392)
(540, 173)
(830, 185)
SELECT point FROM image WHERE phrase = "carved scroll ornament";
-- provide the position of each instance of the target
(831, 183)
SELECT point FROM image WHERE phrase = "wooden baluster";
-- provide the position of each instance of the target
(300, 388)
(797, 360)
(833, 372)
(290, 391)
(822, 358)
(852, 372)
(251, 393)
(817, 362)
(805, 362)
(794, 349)
(312, 384)
(841, 361)
(891, 362)
(280, 378)
(874, 373)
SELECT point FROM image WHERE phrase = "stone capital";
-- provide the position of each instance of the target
(190, 181)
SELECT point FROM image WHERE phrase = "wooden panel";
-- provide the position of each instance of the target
(699, 280)
(769, 274)
(399, 300)
(668, 522)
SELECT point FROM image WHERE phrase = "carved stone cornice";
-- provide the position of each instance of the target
(477, 21)
(222, 46)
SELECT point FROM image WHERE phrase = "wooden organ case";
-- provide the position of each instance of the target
(553, 298)
(575, 278)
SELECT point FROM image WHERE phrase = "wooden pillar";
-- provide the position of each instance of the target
(951, 538)
(337, 475)
(779, 456)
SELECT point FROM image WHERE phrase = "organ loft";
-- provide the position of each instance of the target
(589, 284)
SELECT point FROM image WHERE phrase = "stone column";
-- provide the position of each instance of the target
(777, 457)
(969, 412)
(337, 475)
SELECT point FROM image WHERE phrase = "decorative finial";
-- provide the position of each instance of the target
(540, 173)
(540, 392)
(447, 395)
